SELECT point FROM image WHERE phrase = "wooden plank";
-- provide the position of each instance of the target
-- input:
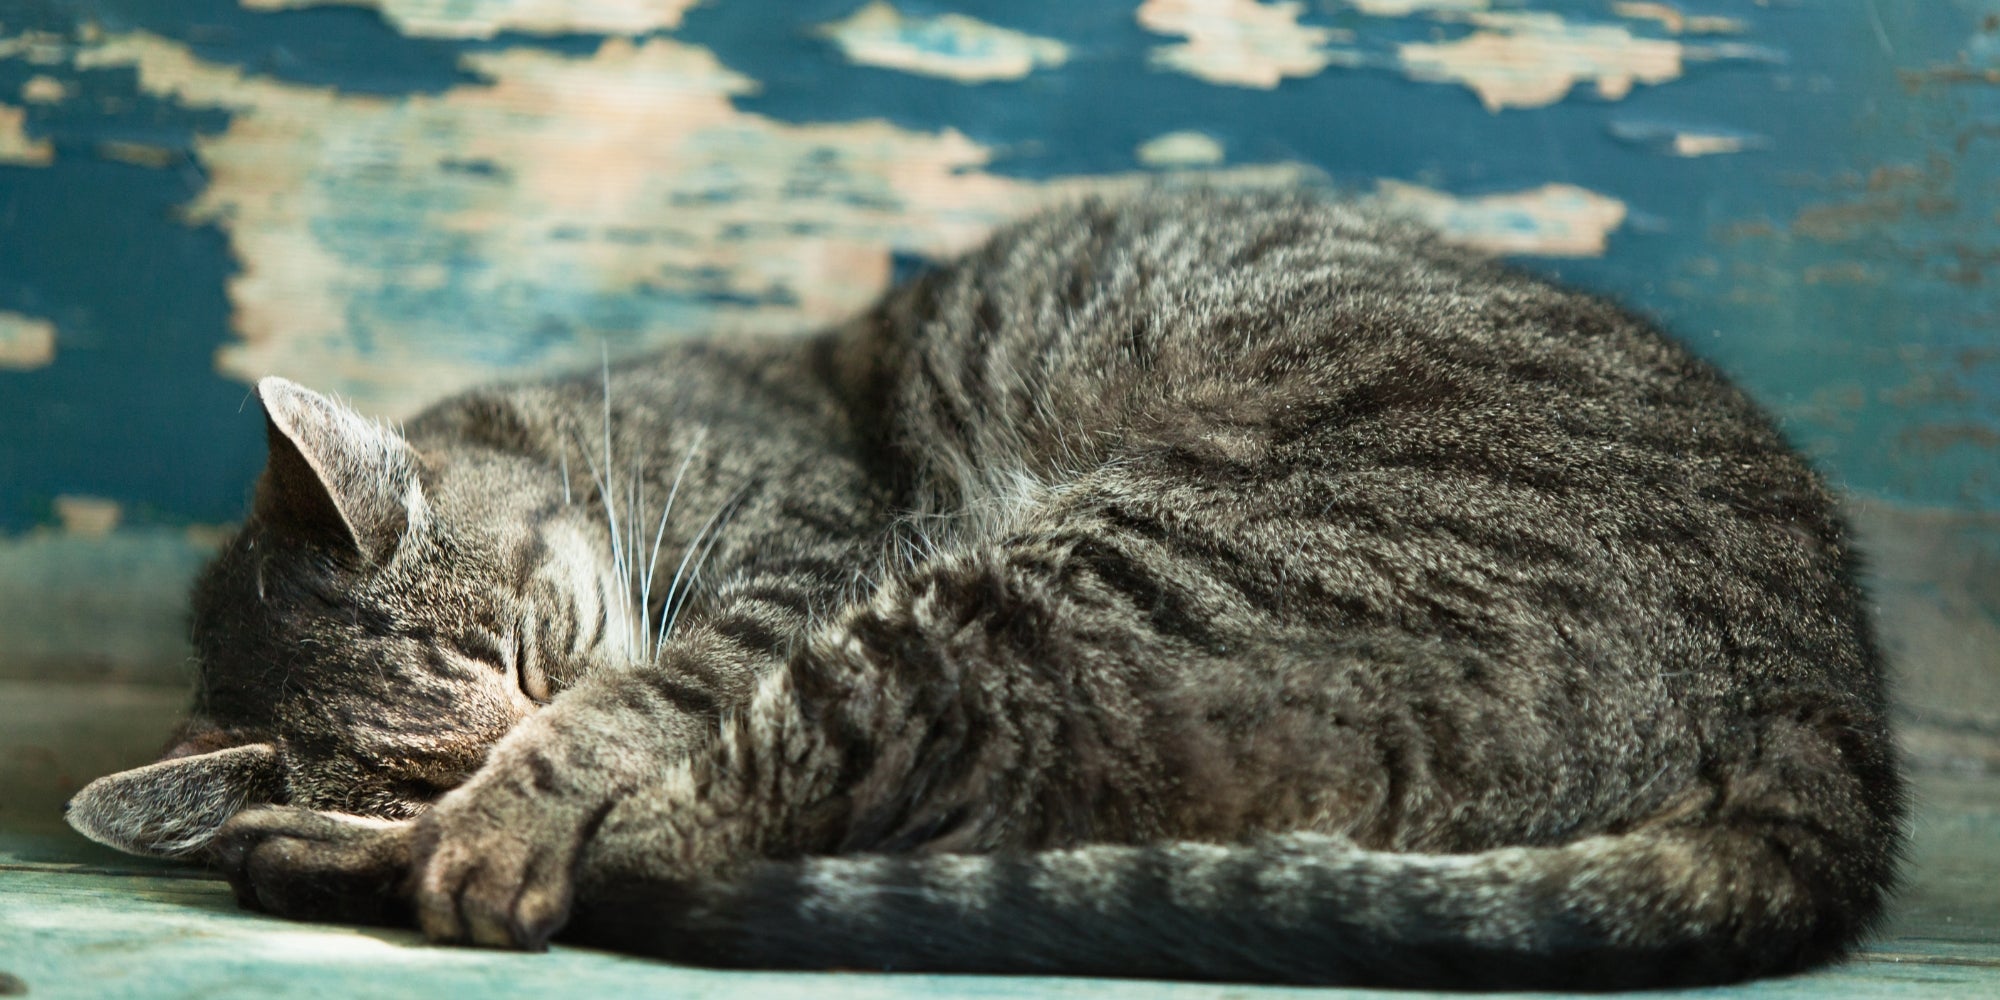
(77, 919)
(78, 934)
(76, 922)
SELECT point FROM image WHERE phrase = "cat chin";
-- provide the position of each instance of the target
(172, 808)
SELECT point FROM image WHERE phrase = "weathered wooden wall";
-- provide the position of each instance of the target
(394, 198)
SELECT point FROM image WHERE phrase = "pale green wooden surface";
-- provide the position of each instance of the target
(77, 920)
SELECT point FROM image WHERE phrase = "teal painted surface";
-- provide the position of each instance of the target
(1842, 261)
(390, 199)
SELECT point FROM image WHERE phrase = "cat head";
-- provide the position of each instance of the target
(383, 617)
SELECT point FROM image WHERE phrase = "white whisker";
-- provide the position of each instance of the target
(670, 611)
(630, 578)
(653, 561)
(564, 455)
(605, 484)
(699, 564)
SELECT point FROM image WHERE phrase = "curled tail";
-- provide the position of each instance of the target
(1656, 907)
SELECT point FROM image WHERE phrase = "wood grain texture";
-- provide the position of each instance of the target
(78, 920)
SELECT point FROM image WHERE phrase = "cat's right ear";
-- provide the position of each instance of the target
(334, 477)
(172, 808)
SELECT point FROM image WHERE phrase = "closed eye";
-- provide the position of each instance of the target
(426, 789)
(486, 648)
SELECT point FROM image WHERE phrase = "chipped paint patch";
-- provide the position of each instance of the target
(15, 146)
(41, 48)
(26, 342)
(1511, 58)
(1554, 220)
(1180, 149)
(1241, 43)
(139, 154)
(1533, 59)
(395, 250)
(1674, 140)
(1708, 144)
(1671, 18)
(43, 90)
(1404, 8)
(951, 46)
(88, 517)
(487, 18)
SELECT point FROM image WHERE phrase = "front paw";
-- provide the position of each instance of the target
(309, 865)
(497, 870)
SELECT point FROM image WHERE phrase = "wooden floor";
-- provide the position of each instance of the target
(79, 920)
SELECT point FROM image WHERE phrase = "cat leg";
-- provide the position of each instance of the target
(305, 864)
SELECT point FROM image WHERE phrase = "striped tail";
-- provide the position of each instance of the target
(1656, 907)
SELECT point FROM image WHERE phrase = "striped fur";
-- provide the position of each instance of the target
(1225, 587)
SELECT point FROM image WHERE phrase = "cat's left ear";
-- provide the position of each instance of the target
(334, 477)
(172, 808)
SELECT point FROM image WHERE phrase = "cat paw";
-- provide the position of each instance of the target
(488, 875)
(308, 865)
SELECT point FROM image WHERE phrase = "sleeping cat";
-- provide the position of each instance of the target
(1214, 586)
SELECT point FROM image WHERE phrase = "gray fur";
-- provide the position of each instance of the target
(173, 807)
(1215, 586)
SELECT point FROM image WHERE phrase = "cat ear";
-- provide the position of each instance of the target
(334, 476)
(172, 808)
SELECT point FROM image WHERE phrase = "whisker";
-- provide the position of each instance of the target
(653, 561)
(631, 577)
(604, 484)
(564, 455)
(699, 564)
(607, 493)
(670, 612)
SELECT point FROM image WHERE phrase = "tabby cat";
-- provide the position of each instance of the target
(1237, 587)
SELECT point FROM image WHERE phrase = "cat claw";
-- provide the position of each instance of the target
(501, 900)
(495, 885)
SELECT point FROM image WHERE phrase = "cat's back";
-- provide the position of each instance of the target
(1321, 320)
(1335, 309)
(1440, 421)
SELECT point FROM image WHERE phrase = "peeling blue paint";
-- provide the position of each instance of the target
(132, 408)
(348, 48)
(1847, 268)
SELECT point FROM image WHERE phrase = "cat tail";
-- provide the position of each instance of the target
(1663, 906)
